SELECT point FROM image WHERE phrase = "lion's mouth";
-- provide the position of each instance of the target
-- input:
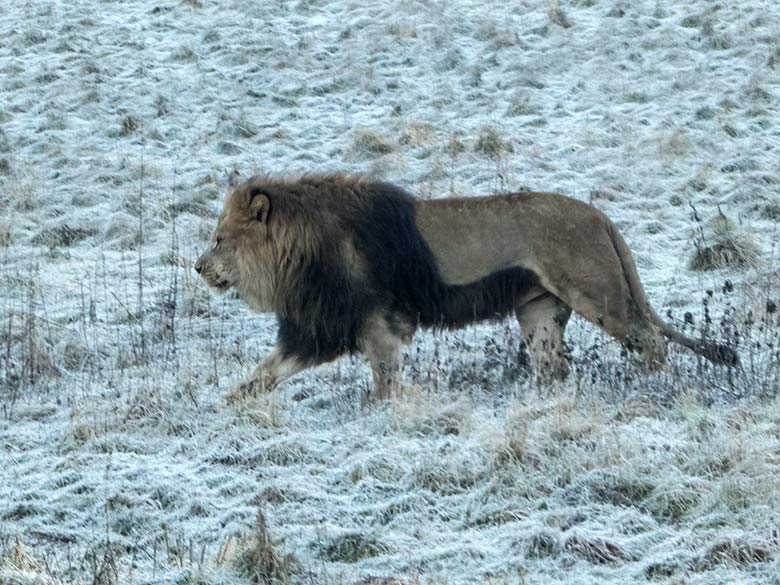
(220, 285)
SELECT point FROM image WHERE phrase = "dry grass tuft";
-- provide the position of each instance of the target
(257, 558)
(22, 191)
(542, 545)
(619, 488)
(17, 567)
(558, 16)
(351, 547)
(197, 205)
(771, 211)
(371, 144)
(417, 134)
(447, 474)
(675, 499)
(491, 143)
(723, 244)
(737, 551)
(63, 235)
(26, 345)
(418, 416)
(387, 581)
(128, 125)
(513, 446)
(5, 235)
(597, 550)
(520, 105)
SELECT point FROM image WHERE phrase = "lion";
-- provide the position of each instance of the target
(350, 265)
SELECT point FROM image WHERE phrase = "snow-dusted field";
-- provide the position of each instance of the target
(121, 462)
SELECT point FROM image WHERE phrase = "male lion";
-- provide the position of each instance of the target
(349, 264)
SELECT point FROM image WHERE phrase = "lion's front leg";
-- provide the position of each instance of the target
(382, 344)
(273, 370)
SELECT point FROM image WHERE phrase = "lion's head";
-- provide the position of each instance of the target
(241, 256)
(276, 238)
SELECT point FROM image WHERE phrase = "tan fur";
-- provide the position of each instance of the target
(581, 261)
(252, 260)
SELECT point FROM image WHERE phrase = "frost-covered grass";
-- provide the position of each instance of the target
(121, 459)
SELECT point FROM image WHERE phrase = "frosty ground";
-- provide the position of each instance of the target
(121, 460)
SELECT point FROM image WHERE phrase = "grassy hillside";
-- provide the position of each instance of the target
(122, 462)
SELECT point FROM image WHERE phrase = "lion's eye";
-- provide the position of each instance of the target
(218, 242)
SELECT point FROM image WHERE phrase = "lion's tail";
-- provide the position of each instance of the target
(715, 352)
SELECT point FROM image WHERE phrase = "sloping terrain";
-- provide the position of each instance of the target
(121, 460)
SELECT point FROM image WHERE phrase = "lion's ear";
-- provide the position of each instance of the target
(260, 207)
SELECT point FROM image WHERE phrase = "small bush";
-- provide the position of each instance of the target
(728, 245)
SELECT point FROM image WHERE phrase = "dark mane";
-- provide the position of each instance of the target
(325, 305)
(404, 266)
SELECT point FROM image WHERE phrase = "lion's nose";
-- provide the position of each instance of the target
(198, 267)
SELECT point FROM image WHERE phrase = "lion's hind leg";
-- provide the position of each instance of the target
(543, 321)
(609, 305)
(645, 338)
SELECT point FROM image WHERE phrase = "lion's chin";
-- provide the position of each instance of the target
(221, 286)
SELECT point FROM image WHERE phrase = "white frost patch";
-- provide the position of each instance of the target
(121, 462)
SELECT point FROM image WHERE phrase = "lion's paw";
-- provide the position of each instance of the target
(395, 391)
(253, 387)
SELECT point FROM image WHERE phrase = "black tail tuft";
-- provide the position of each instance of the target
(720, 354)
